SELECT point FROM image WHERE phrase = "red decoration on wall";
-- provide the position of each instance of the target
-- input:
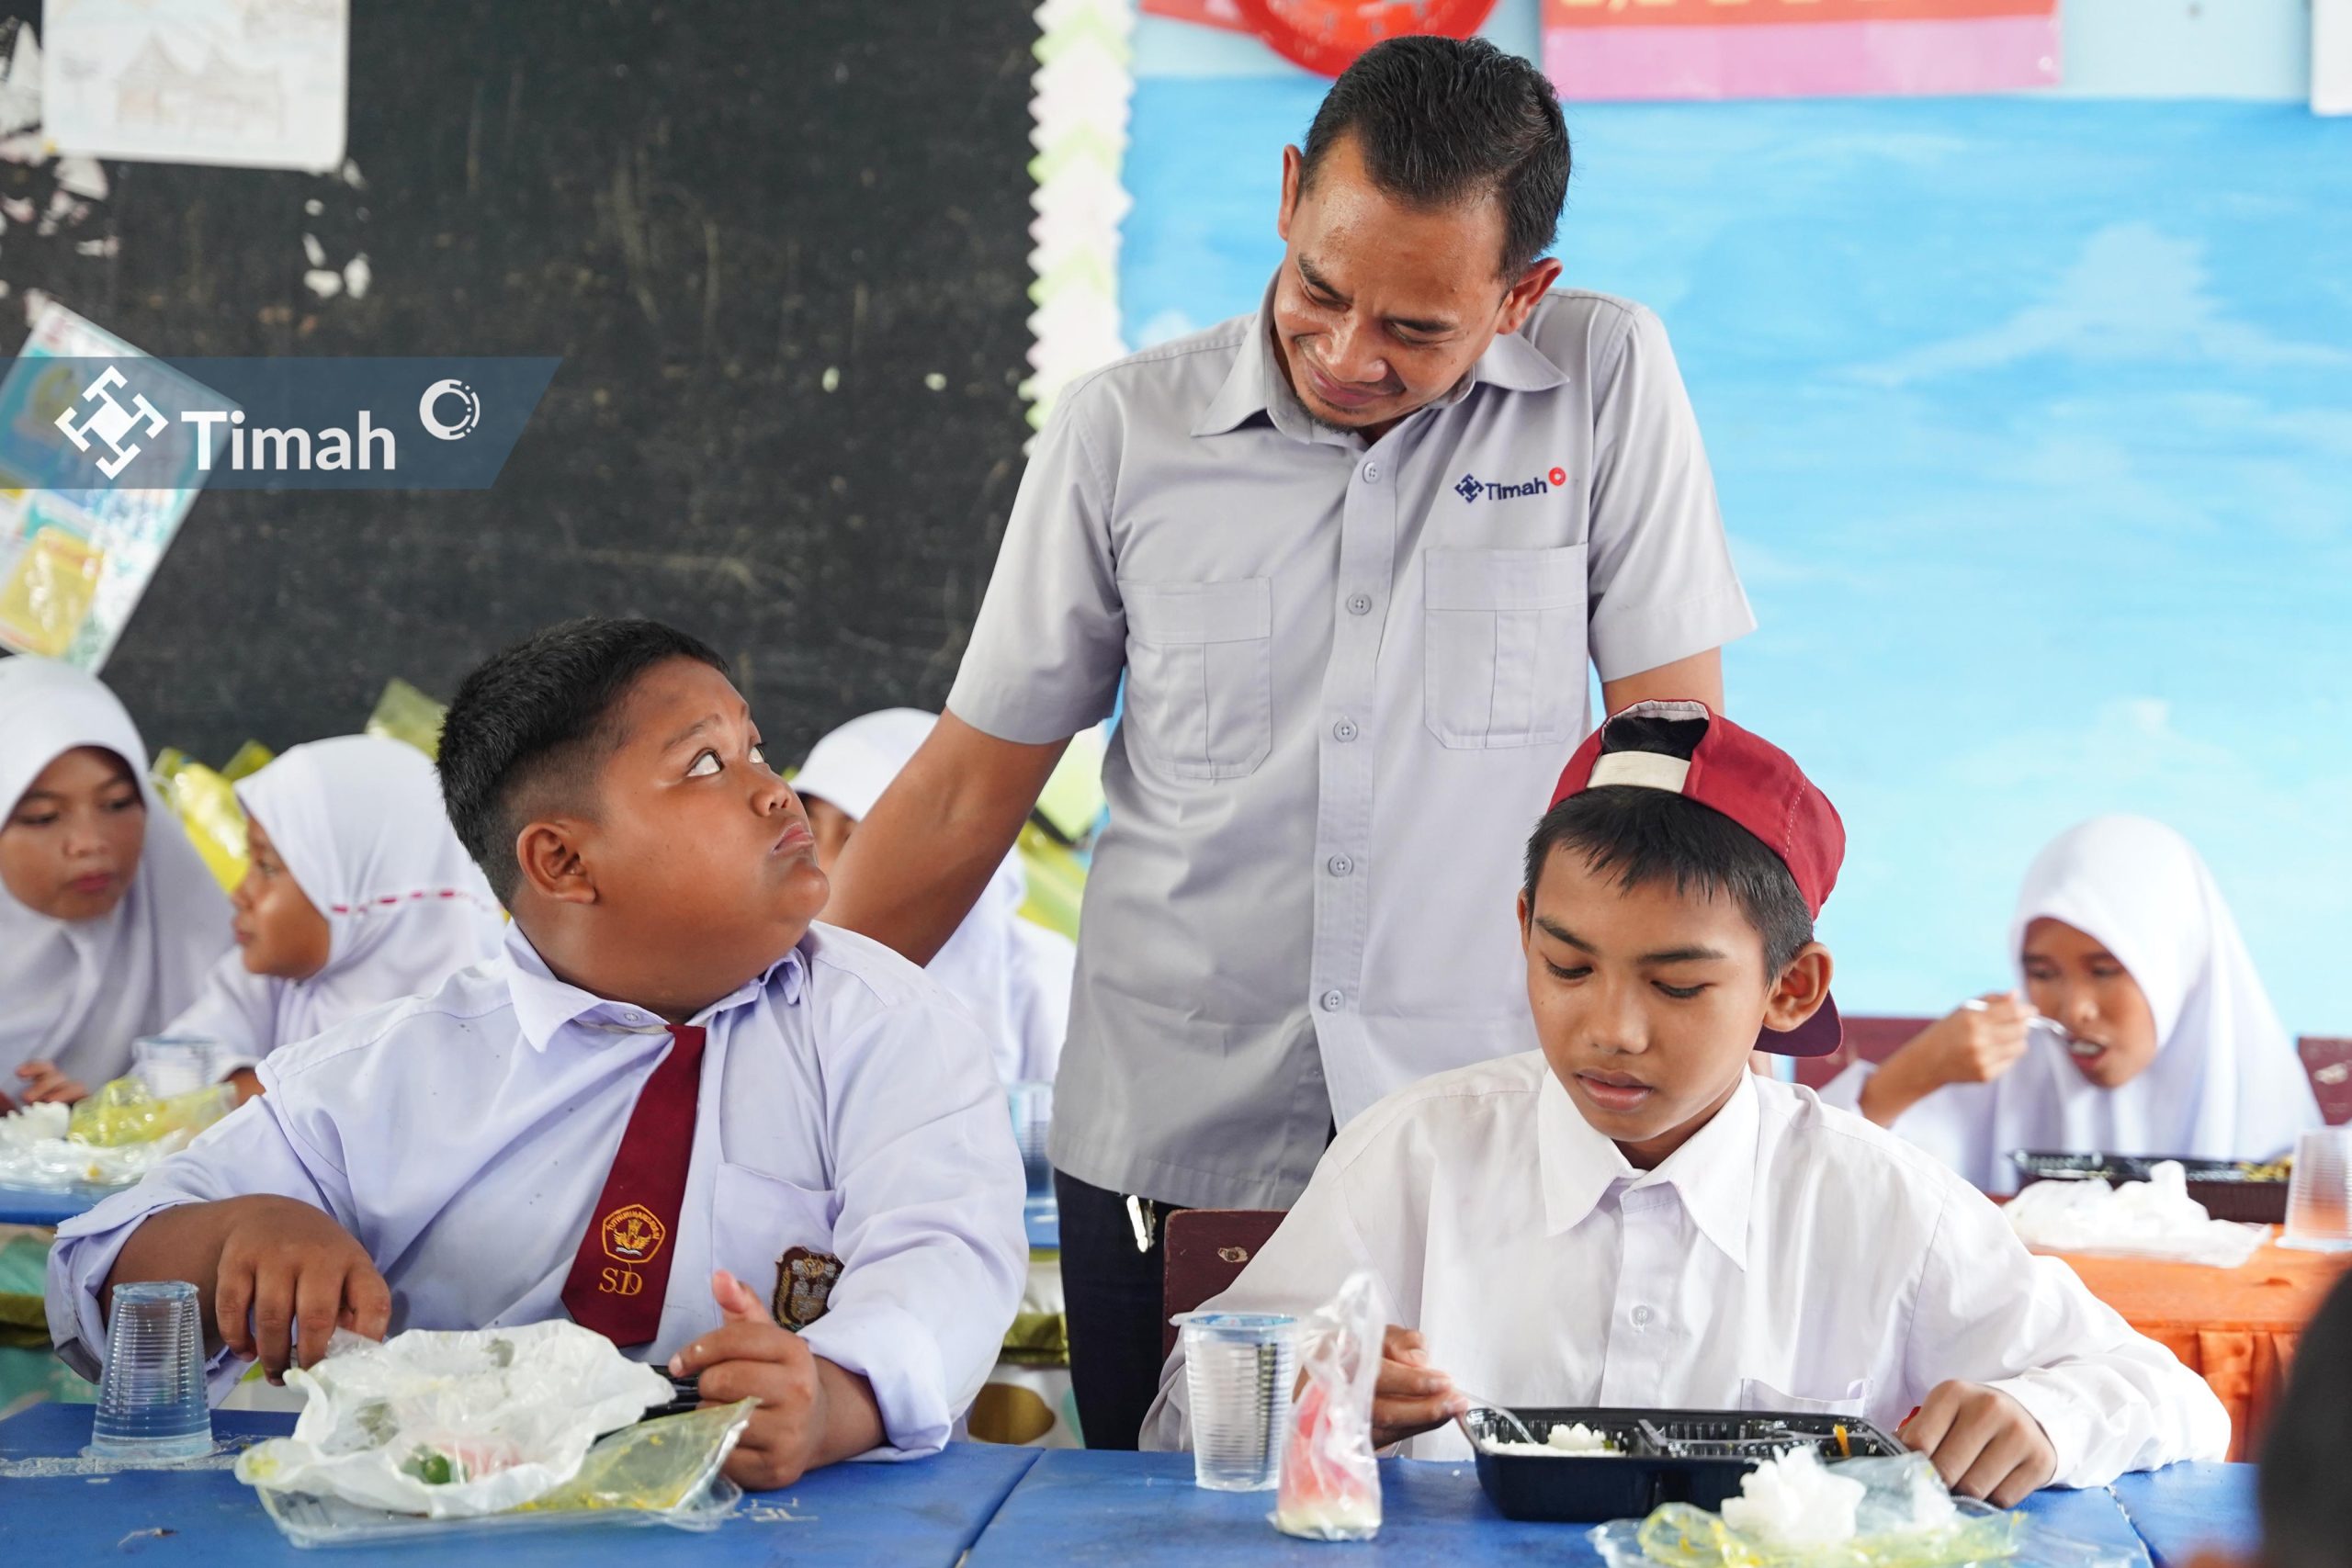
(1327, 35)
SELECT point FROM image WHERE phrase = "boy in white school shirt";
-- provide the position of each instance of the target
(767, 1153)
(1630, 1217)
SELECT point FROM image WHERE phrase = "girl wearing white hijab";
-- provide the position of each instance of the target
(108, 921)
(1013, 974)
(2144, 1029)
(359, 895)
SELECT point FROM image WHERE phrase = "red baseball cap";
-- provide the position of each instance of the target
(1690, 750)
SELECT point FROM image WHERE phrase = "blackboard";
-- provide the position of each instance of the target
(704, 209)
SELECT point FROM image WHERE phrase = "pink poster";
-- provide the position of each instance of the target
(1768, 48)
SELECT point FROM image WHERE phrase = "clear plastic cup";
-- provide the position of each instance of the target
(2319, 1195)
(172, 1064)
(1238, 1371)
(150, 1396)
(1032, 1120)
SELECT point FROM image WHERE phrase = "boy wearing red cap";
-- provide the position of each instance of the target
(1630, 1217)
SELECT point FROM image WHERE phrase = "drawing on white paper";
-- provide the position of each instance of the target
(255, 82)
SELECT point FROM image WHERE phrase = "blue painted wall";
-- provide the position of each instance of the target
(2032, 420)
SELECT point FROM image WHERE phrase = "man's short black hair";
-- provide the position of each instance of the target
(536, 715)
(1645, 837)
(1440, 121)
(2306, 1510)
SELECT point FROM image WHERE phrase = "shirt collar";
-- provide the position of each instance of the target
(544, 1004)
(1258, 384)
(1713, 1174)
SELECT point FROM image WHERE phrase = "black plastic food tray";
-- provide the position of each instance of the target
(2224, 1185)
(1640, 1477)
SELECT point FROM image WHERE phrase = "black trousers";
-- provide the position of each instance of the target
(1113, 1294)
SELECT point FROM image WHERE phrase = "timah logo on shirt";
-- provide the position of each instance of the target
(1470, 488)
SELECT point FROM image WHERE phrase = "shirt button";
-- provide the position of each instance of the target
(1359, 605)
(1340, 865)
(1372, 473)
(1344, 730)
(1641, 1317)
(1334, 1001)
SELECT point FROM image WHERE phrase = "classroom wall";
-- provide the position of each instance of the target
(782, 253)
(2032, 422)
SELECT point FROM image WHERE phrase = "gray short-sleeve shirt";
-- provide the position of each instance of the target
(1353, 673)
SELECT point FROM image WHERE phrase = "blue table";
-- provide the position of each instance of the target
(1143, 1511)
(27, 1206)
(1044, 1228)
(927, 1512)
(2183, 1509)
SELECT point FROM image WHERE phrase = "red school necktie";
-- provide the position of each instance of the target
(621, 1273)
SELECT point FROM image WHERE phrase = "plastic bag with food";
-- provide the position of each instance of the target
(1330, 1483)
(454, 1424)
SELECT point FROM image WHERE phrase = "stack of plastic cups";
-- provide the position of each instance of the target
(151, 1408)
(1238, 1371)
(2319, 1195)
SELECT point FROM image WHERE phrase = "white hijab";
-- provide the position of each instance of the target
(77, 993)
(1013, 974)
(2226, 1082)
(358, 822)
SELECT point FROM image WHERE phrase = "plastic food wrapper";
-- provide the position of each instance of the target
(455, 1425)
(1795, 1512)
(1330, 1483)
(2155, 1218)
(207, 807)
(403, 712)
(111, 1139)
(124, 1112)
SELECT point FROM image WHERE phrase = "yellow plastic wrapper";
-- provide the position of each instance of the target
(1056, 882)
(652, 1467)
(124, 1112)
(208, 810)
(250, 759)
(403, 712)
(49, 594)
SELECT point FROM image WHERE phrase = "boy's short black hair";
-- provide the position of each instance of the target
(1442, 120)
(1644, 837)
(2306, 1510)
(534, 715)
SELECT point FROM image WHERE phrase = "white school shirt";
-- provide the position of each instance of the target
(1789, 1256)
(1353, 673)
(846, 1106)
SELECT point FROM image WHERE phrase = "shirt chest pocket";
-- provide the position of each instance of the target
(1505, 656)
(1759, 1397)
(1199, 675)
(758, 1223)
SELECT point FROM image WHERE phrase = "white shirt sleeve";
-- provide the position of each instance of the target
(928, 1230)
(1845, 1090)
(1046, 652)
(251, 1152)
(2111, 1399)
(233, 1008)
(1658, 567)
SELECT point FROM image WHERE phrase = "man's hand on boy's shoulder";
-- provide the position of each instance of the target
(1411, 1395)
(810, 1413)
(289, 1277)
(1983, 1443)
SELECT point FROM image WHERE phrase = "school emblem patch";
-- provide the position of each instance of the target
(632, 1234)
(804, 1285)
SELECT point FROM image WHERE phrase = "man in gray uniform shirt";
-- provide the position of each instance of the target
(1353, 555)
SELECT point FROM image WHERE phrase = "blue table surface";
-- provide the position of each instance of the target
(1142, 1510)
(929, 1511)
(25, 1206)
(2183, 1508)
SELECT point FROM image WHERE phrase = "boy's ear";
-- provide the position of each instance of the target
(1802, 986)
(554, 866)
(1526, 933)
